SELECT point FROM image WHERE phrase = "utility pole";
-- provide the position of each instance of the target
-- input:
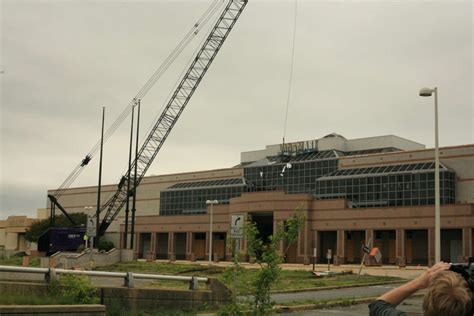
(97, 212)
(127, 201)
(132, 232)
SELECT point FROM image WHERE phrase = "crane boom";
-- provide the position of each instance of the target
(173, 110)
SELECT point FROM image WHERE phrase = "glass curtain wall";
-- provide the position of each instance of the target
(396, 185)
(190, 198)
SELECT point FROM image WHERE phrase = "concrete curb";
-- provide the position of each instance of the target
(303, 307)
(335, 287)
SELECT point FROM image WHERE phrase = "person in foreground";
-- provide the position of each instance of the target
(447, 294)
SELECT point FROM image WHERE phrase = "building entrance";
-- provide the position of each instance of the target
(416, 246)
(385, 240)
(180, 246)
(144, 245)
(451, 245)
(264, 222)
(199, 246)
(326, 240)
(161, 248)
(354, 239)
(219, 245)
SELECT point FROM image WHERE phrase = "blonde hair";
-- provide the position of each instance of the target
(447, 295)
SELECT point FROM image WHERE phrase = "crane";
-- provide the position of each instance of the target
(168, 118)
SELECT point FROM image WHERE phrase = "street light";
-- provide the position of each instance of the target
(428, 92)
(211, 202)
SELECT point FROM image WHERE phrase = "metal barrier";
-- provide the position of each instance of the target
(51, 274)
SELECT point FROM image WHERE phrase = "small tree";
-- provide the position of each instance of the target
(269, 259)
(38, 228)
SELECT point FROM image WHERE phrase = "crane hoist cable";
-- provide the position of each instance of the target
(290, 83)
(178, 80)
(190, 35)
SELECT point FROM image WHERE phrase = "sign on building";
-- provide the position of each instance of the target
(91, 226)
(237, 226)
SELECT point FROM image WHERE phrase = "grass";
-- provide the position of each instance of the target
(18, 261)
(8, 299)
(289, 280)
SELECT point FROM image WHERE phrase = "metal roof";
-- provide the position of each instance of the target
(381, 170)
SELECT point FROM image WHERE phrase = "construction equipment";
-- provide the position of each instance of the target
(168, 118)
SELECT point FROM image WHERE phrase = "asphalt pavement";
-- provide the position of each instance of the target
(324, 295)
(412, 307)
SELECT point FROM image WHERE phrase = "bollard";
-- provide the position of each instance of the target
(129, 280)
(193, 284)
(50, 276)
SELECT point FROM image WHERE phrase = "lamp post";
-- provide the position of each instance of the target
(211, 202)
(428, 92)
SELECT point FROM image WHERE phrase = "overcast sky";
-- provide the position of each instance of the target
(358, 66)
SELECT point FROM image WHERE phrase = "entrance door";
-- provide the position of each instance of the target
(161, 246)
(218, 245)
(451, 244)
(145, 244)
(354, 239)
(386, 242)
(180, 246)
(199, 246)
(327, 240)
(416, 246)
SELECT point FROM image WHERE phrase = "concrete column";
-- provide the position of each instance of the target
(431, 246)
(316, 245)
(467, 243)
(137, 246)
(341, 250)
(153, 245)
(171, 254)
(189, 245)
(306, 252)
(400, 247)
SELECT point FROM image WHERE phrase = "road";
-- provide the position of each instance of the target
(323, 295)
(412, 307)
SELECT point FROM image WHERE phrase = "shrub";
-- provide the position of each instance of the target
(78, 288)
(106, 245)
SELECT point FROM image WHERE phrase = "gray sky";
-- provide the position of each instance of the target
(357, 70)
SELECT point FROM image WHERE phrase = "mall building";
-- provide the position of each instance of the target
(351, 191)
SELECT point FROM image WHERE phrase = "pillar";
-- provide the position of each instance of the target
(467, 243)
(316, 245)
(341, 250)
(400, 247)
(152, 250)
(171, 254)
(189, 246)
(431, 246)
(306, 252)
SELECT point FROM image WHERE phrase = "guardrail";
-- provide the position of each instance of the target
(129, 277)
